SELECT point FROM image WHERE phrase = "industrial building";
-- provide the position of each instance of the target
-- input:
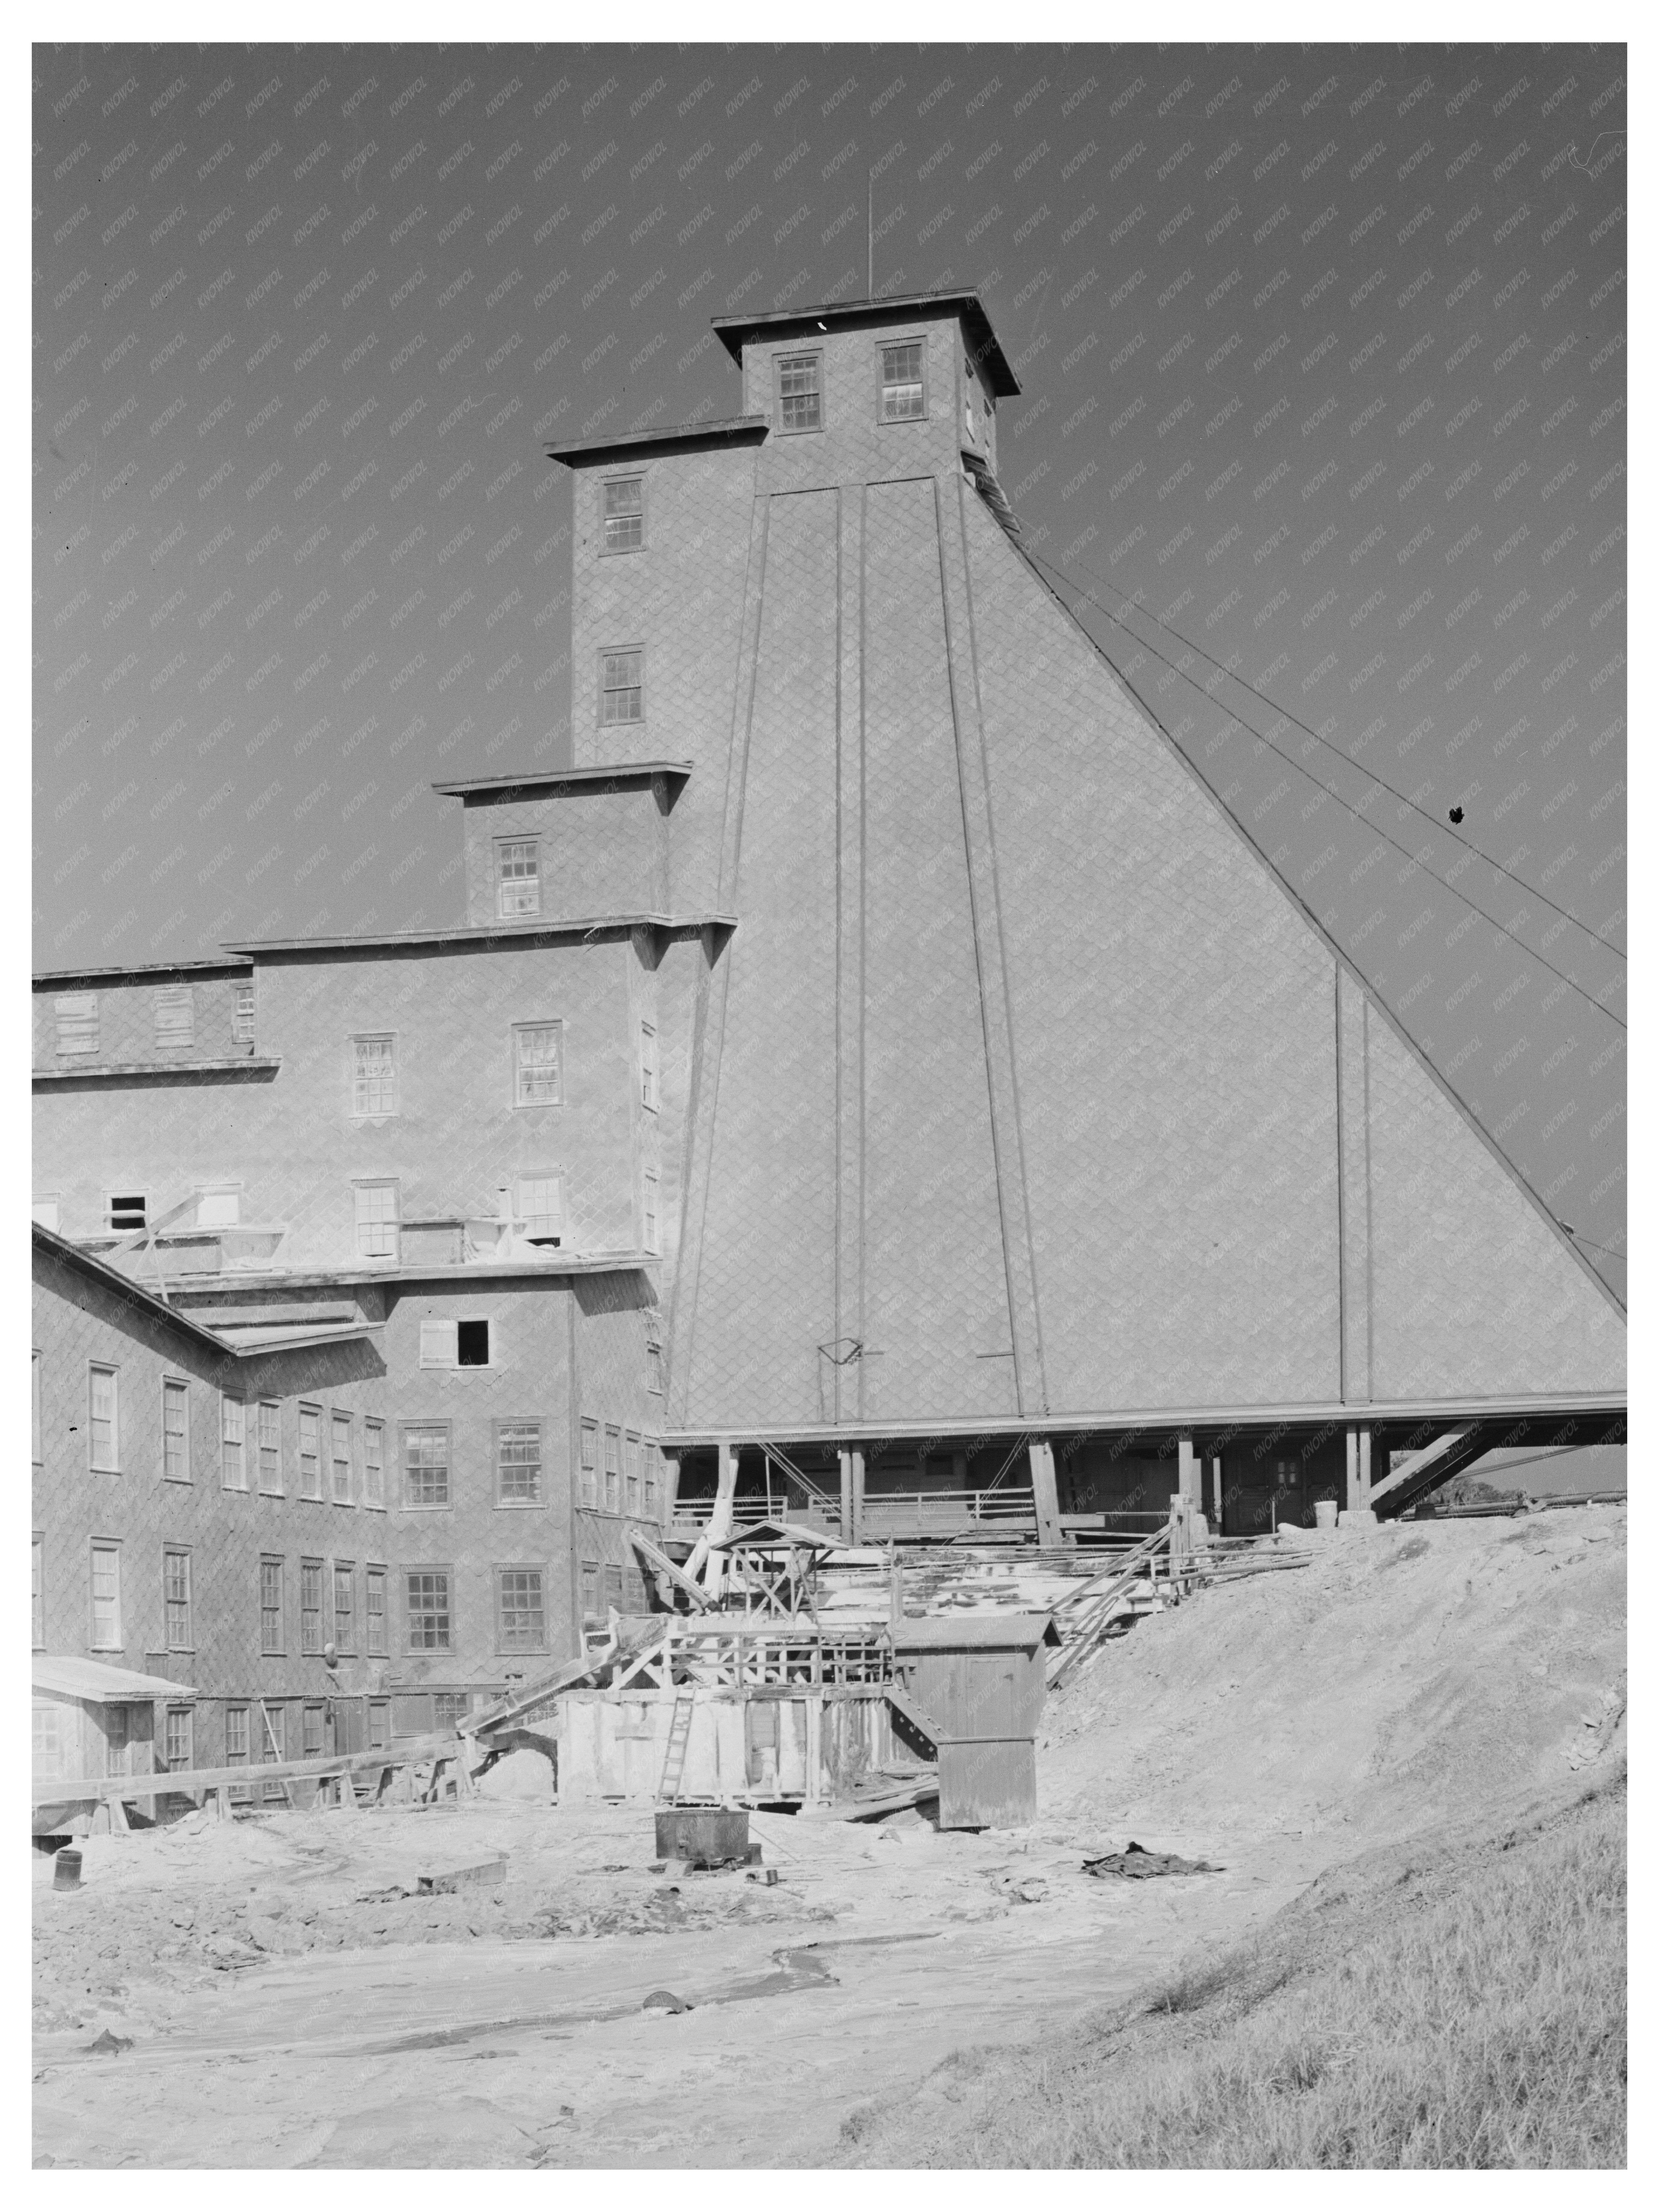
(875, 1080)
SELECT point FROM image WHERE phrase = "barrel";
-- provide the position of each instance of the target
(66, 1870)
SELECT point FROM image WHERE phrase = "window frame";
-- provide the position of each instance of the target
(476, 1321)
(588, 1583)
(650, 1080)
(621, 722)
(171, 1554)
(450, 1639)
(588, 1463)
(633, 1471)
(410, 1505)
(112, 1464)
(68, 1009)
(273, 1407)
(304, 1412)
(279, 1612)
(367, 1113)
(376, 1226)
(612, 1465)
(109, 1547)
(170, 998)
(607, 550)
(788, 357)
(498, 849)
(376, 1582)
(522, 1212)
(505, 1647)
(537, 1496)
(522, 1031)
(651, 1213)
(178, 1725)
(374, 1463)
(311, 1577)
(346, 1644)
(225, 1440)
(244, 1012)
(175, 1391)
(888, 344)
(341, 1422)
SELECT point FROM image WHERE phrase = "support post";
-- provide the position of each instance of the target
(1045, 1491)
(852, 1497)
(846, 1462)
(720, 1521)
(1191, 1484)
(1215, 1493)
(1353, 1499)
(1364, 1468)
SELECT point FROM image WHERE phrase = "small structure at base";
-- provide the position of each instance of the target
(92, 1719)
(977, 1683)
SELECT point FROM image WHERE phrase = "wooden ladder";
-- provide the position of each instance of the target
(679, 1736)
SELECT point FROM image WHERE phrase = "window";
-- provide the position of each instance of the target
(591, 1590)
(128, 1210)
(270, 1448)
(311, 1455)
(437, 1344)
(175, 1590)
(241, 1017)
(519, 1462)
(517, 877)
(624, 514)
(450, 1707)
(311, 1606)
(104, 1437)
(35, 1407)
(274, 1743)
(613, 1587)
(800, 397)
(345, 1606)
(622, 686)
(472, 1344)
(613, 1470)
(655, 1379)
(537, 1064)
(454, 1344)
(177, 1740)
(590, 1464)
(651, 1482)
(341, 1428)
(76, 1014)
(218, 1205)
(375, 1611)
(539, 1203)
(430, 1617)
(631, 1471)
(175, 1015)
(377, 1220)
(47, 1738)
(649, 1210)
(235, 1735)
(520, 1616)
(232, 1467)
(106, 1597)
(373, 1076)
(648, 1066)
(270, 1608)
(374, 1462)
(426, 1464)
(380, 1723)
(175, 1430)
(38, 1593)
(311, 1732)
(903, 398)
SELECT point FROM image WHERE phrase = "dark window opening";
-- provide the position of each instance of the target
(472, 1344)
(127, 1210)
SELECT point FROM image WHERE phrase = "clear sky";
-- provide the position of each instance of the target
(1323, 359)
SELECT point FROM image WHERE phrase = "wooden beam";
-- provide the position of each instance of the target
(187, 1781)
(1045, 1491)
(664, 1565)
(1417, 1463)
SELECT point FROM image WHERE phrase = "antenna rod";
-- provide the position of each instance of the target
(871, 227)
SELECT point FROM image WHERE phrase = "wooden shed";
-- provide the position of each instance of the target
(90, 1720)
(979, 1681)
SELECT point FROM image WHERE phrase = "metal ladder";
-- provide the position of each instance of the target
(679, 1736)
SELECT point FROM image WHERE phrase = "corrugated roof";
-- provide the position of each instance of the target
(100, 1685)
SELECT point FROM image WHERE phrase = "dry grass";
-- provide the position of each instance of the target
(1459, 2006)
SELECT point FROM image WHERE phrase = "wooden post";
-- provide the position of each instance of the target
(1364, 1469)
(895, 1591)
(852, 1497)
(846, 1462)
(720, 1521)
(1353, 1499)
(1190, 1483)
(1045, 1491)
(1215, 1493)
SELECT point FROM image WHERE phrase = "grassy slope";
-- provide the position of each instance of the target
(1458, 2002)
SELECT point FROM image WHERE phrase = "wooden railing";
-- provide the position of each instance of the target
(886, 1512)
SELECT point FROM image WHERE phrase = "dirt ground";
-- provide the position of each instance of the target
(286, 1999)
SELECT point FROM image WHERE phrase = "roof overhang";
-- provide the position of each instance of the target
(493, 938)
(622, 775)
(672, 438)
(95, 1684)
(735, 331)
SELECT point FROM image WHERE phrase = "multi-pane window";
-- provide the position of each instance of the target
(106, 1597)
(519, 1462)
(656, 1380)
(517, 877)
(270, 1608)
(236, 1744)
(129, 1209)
(520, 1613)
(233, 1427)
(648, 1066)
(178, 1740)
(345, 1608)
(374, 1611)
(613, 1587)
(651, 1482)
(624, 514)
(903, 399)
(311, 1732)
(175, 1015)
(311, 1452)
(591, 1590)
(175, 1581)
(800, 397)
(622, 686)
(380, 1723)
(377, 1220)
(537, 1074)
(429, 1618)
(341, 1428)
(590, 1466)
(373, 1076)
(270, 1448)
(38, 1593)
(373, 1462)
(426, 1464)
(540, 1207)
(47, 1739)
(631, 1470)
(105, 1417)
(311, 1606)
(175, 1430)
(649, 1211)
(76, 1015)
(613, 1470)
(241, 1018)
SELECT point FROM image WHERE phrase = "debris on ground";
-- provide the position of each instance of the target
(1137, 1864)
(664, 2001)
(108, 2044)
